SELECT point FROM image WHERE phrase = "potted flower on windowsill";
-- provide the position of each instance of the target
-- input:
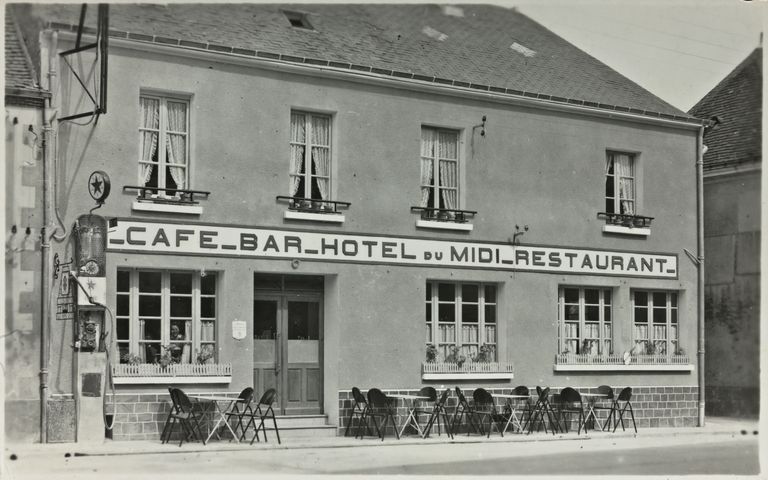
(431, 353)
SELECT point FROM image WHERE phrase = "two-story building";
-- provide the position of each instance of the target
(316, 197)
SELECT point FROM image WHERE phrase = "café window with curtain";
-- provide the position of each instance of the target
(164, 143)
(655, 321)
(310, 165)
(585, 321)
(439, 168)
(461, 320)
(166, 316)
(620, 185)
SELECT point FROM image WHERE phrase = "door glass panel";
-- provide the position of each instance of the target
(265, 315)
(303, 332)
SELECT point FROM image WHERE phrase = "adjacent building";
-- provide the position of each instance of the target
(733, 166)
(316, 197)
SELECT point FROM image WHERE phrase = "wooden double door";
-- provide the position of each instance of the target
(288, 350)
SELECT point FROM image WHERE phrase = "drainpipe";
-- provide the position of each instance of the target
(45, 244)
(700, 150)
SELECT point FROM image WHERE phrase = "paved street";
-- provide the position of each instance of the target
(652, 455)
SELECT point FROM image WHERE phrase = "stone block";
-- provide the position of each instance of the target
(127, 398)
(149, 397)
(144, 417)
(132, 428)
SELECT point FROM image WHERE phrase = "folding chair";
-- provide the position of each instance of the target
(240, 408)
(421, 409)
(609, 396)
(263, 411)
(181, 411)
(464, 409)
(379, 407)
(485, 407)
(541, 408)
(571, 403)
(358, 409)
(439, 409)
(624, 396)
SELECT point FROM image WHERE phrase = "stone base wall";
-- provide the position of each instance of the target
(142, 416)
(653, 406)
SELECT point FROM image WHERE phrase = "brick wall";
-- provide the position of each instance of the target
(653, 406)
(142, 416)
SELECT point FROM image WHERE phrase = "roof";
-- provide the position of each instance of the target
(19, 70)
(489, 48)
(737, 101)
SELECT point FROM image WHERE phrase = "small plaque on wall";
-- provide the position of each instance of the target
(238, 329)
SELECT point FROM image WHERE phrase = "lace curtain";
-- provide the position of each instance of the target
(177, 142)
(150, 116)
(298, 139)
(624, 173)
(321, 154)
(447, 142)
(428, 143)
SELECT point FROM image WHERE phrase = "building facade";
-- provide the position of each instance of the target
(397, 202)
(733, 166)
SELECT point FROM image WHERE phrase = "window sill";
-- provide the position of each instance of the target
(625, 368)
(467, 371)
(150, 206)
(151, 373)
(639, 231)
(314, 217)
(464, 227)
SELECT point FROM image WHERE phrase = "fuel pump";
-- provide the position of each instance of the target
(91, 363)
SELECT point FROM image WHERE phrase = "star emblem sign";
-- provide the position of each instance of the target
(91, 285)
(98, 186)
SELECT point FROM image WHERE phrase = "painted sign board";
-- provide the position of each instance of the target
(238, 329)
(271, 243)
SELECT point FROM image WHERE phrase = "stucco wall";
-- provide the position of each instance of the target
(535, 168)
(732, 297)
(23, 201)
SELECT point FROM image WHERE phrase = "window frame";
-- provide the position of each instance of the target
(308, 145)
(616, 199)
(582, 321)
(194, 326)
(434, 323)
(436, 159)
(162, 131)
(672, 317)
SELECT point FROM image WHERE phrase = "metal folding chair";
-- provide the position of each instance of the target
(437, 411)
(240, 408)
(379, 406)
(624, 396)
(571, 403)
(609, 396)
(182, 411)
(485, 408)
(358, 409)
(464, 409)
(263, 412)
(539, 410)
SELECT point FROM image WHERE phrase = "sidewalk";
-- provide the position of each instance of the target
(713, 426)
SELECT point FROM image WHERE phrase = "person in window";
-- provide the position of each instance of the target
(179, 351)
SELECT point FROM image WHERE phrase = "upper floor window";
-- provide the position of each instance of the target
(655, 320)
(164, 316)
(620, 186)
(585, 321)
(310, 167)
(439, 168)
(164, 143)
(461, 321)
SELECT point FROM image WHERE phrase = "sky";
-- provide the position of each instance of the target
(677, 49)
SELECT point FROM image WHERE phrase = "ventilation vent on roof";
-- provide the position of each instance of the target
(431, 32)
(298, 19)
(453, 11)
(521, 49)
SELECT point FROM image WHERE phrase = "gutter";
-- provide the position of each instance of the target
(700, 150)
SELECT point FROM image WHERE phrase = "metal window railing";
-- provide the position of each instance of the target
(167, 195)
(613, 359)
(444, 214)
(624, 220)
(313, 205)
(173, 370)
(467, 367)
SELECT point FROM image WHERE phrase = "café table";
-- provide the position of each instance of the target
(592, 398)
(411, 418)
(212, 408)
(511, 405)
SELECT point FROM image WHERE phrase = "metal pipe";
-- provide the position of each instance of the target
(700, 266)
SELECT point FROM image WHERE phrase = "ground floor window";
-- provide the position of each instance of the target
(585, 321)
(165, 316)
(655, 322)
(461, 321)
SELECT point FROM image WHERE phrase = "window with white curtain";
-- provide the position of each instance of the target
(164, 143)
(461, 316)
(439, 168)
(620, 185)
(161, 312)
(310, 165)
(585, 320)
(655, 319)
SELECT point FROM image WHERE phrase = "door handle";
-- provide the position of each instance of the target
(277, 354)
